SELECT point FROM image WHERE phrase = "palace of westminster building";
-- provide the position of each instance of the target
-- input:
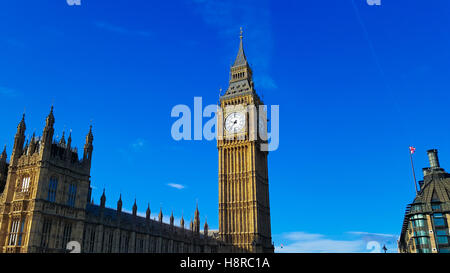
(45, 199)
(45, 194)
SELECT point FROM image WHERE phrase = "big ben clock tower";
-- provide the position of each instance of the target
(244, 211)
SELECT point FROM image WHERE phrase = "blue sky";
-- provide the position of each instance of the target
(356, 85)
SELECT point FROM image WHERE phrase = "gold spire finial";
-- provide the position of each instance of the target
(241, 33)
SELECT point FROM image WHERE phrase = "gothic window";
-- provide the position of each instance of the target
(92, 241)
(66, 235)
(13, 233)
(22, 226)
(140, 245)
(52, 187)
(110, 242)
(126, 243)
(25, 184)
(46, 228)
(152, 246)
(72, 195)
(15, 236)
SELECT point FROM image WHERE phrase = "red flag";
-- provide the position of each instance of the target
(412, 149)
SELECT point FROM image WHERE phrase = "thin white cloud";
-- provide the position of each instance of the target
(129, 152)
(363, 233)
(303, 242)
(322, 246)
(138, 144)
(302, 236)
(176, 186)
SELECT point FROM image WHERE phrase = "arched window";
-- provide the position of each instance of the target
(25, 184)
(72, 195)
(67, 233)
(52, 187)
(46, 228)
(16, 232)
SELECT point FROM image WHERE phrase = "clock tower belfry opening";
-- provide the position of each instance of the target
(244, 210)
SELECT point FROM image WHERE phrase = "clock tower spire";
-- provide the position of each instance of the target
(244, 211)
(241, 71)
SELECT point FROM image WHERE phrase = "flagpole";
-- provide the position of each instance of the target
(414, 173)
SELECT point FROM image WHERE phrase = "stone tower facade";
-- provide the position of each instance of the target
(244, 211)
(44, 198)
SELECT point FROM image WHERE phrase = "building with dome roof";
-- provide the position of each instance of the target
(426, 223)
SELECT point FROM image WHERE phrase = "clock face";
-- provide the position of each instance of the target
(235, 122)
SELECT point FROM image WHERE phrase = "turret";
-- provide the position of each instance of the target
(87, 156)
(197, 220)
(3, 156)
(33, 144)
(68, 152)
(19, 140)
(205, 227)
(62, 141)
(182, 222)
(3, 169)
(148, 212)
(134, 208)
(69, 139)
(171, 219)
(160, 216)
(119, 204)
(103, 200)
(47, 135)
